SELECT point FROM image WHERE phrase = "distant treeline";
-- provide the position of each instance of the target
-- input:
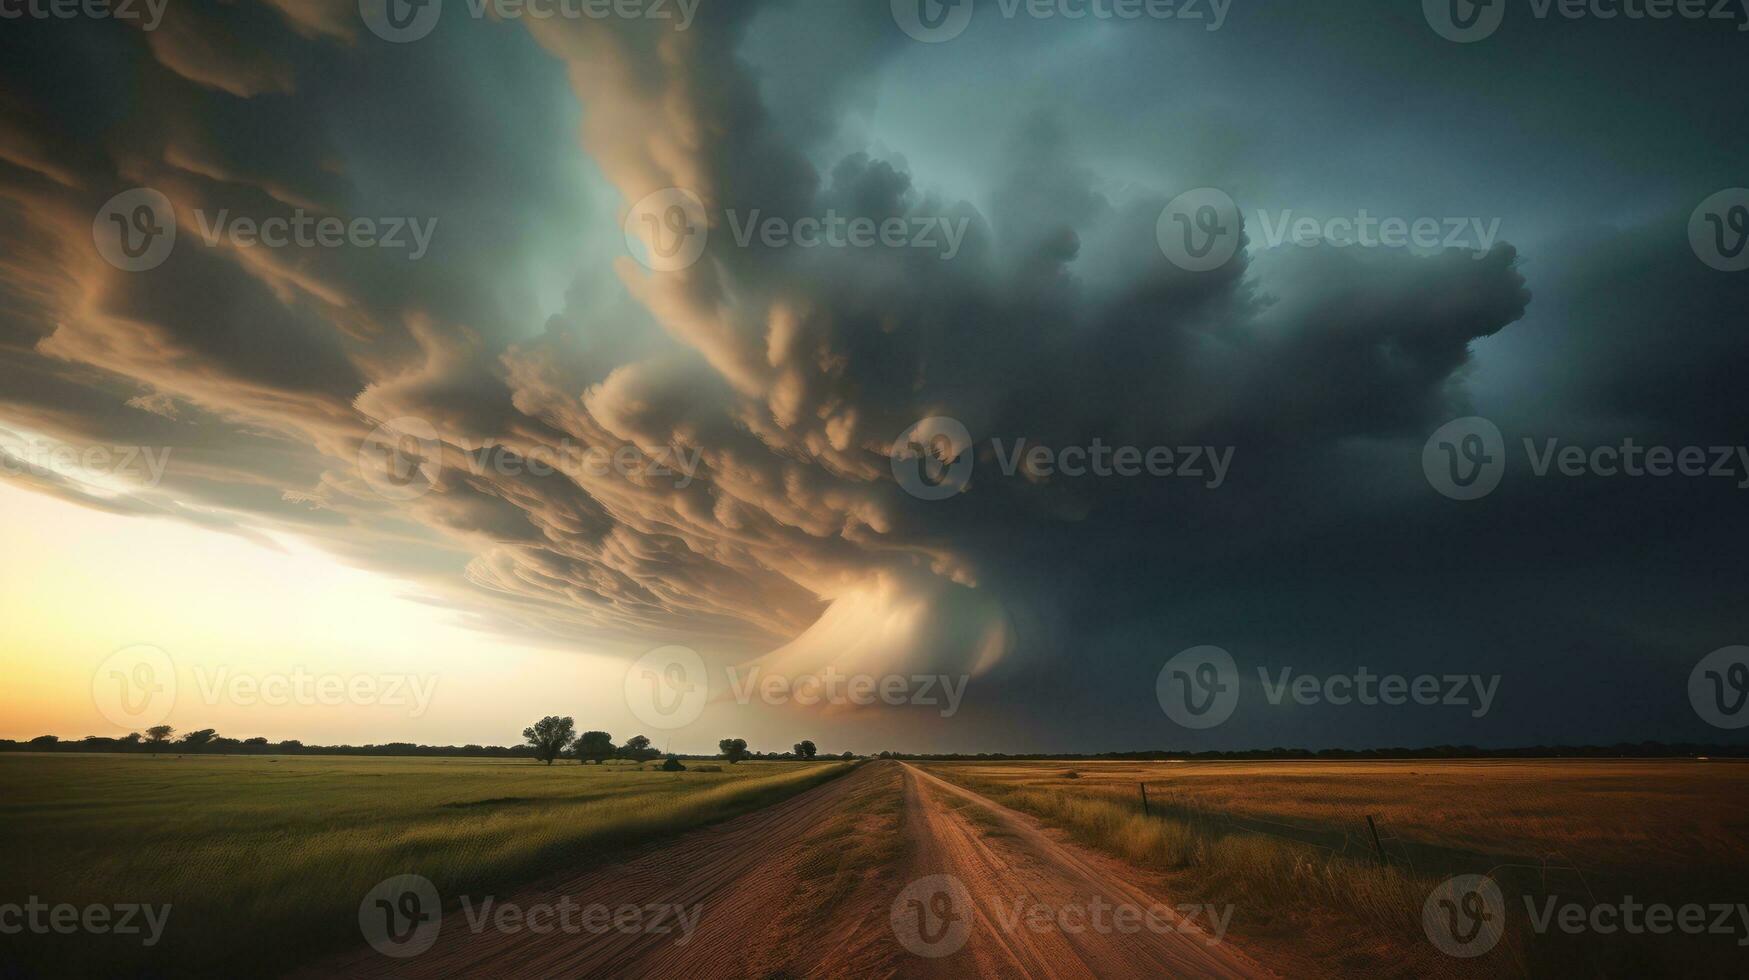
(220, 745)
(1621, 750)
(217, 744)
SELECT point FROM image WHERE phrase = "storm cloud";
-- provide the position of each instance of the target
(753, 397)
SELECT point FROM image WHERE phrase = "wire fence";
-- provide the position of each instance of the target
(1362, 836)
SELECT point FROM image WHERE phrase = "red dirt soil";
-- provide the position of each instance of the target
(762, 911)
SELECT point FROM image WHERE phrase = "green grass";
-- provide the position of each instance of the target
(265, 859)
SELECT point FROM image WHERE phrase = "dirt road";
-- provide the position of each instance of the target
(886, 872)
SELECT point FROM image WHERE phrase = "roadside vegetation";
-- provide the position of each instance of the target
(265, 859)
(1288, 845)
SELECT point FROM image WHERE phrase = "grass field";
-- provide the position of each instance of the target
(1288, 845)
(265, 859)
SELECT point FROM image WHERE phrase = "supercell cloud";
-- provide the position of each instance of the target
(739, 408)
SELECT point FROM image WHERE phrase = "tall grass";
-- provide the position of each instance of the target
(1276, 885)
(1658, 831)
(266, 860)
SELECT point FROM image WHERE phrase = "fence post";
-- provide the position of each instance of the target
(1145, 811)
(1375, 841)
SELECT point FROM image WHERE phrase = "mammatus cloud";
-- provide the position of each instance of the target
(780, 375)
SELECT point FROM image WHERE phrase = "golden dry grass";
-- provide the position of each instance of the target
(1287, 843)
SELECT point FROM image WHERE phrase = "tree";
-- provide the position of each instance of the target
(157, 736)
(594, 745)
(733, 749)
(198, 740)
(256, 744)
(638, 748)
(550, 736)
(130, 741)
(848, 755)
(46, 741)
(805, 749)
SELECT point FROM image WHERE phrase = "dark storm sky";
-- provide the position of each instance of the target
(1589, 318)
